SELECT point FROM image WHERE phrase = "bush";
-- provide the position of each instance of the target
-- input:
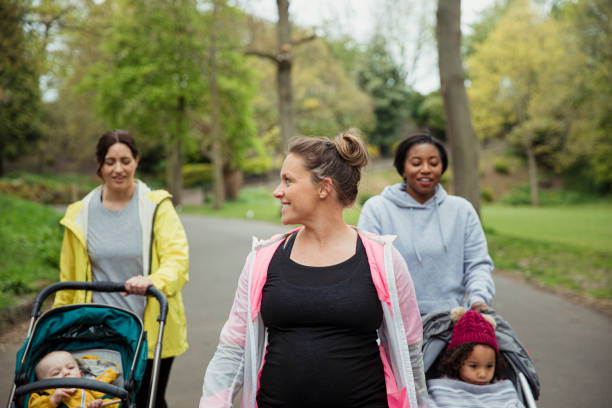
(46, 189)
(374, 151)
(486, 194)
(257, 165)
(197, 175)
(501, 166)
(201, 174)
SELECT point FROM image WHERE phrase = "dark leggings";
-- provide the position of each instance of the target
(142, 398)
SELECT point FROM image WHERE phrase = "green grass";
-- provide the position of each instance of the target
(252, 203)
(30, 239)
(584, 225)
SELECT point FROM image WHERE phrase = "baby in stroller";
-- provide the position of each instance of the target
(472, 370)
(62, 364)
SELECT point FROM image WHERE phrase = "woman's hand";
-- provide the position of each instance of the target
(137, 285)
(479, 306)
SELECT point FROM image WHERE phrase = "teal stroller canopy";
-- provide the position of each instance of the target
(82, 327)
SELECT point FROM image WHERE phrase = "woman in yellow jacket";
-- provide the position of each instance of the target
(124, 231)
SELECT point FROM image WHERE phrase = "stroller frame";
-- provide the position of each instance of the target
(109, 389)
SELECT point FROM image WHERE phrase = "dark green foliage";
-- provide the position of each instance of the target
(501, 166)
(382, 79)
(47, 189)
(197, 175)
(486, 194)
(20, 103)
(428, 112)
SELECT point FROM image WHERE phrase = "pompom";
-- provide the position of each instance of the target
(456, 313)
(489, 319)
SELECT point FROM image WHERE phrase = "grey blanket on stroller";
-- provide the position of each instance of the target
(446, 393)
(437, 330)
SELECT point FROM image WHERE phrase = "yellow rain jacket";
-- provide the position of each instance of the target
(79, 399)
(165, 260)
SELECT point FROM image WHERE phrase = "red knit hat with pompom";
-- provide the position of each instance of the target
(472, 327)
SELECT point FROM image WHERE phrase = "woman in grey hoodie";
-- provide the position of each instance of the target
(439, 235)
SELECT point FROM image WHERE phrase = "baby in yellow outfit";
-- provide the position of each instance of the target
(61, 364)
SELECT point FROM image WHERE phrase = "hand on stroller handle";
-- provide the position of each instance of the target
(97, 287)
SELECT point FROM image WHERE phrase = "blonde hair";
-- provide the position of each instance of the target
(340, 159)
(49, 358)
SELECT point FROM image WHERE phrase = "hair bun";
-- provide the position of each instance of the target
(351, 148)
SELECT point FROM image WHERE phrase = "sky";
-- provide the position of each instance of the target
(358, 17)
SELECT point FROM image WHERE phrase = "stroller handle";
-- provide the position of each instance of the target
(97, 287)
(84, 383)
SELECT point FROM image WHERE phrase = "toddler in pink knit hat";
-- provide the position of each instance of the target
(472, 367)
(472, 354)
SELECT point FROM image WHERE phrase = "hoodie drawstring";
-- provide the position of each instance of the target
(439, 224)
(412, 238)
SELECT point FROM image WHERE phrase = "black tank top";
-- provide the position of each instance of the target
(322, 322)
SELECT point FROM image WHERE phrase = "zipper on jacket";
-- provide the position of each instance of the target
(153, 236)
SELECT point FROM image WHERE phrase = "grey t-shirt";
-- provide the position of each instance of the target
(114, 246)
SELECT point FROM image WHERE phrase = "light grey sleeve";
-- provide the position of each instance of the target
(418, 372)
(223, 378)
(368, 218)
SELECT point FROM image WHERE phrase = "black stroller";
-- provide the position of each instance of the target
(115, 334)
(437, 330)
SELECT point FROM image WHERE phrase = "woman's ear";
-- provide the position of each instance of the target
(325, 187)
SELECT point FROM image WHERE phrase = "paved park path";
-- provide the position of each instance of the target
(571, 345)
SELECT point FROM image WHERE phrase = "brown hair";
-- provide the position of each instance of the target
(110, 138)
(340, 159)
(452, 360)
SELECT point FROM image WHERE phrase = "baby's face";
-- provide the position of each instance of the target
(479, 367)
(58, 364)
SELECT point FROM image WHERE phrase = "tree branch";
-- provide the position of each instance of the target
(262, 55)
(303, 40)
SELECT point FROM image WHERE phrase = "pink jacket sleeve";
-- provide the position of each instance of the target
(407, 300)
(224, 375)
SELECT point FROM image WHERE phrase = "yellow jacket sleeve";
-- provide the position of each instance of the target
(171, 251)
(68, 258)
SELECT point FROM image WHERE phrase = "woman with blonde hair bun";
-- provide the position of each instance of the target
(324, 315)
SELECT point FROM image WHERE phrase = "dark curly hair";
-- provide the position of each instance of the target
(452, 360)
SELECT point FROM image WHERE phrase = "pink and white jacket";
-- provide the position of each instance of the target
(240, 354)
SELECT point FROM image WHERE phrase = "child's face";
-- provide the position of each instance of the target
(58, 364)
(479, 367)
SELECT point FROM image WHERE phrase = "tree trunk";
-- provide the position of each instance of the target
(174, 169)
(283, 75)
(233, 179)
(533, 171)
(463, 143)
(215, 131)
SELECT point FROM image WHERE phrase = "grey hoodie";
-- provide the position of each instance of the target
(442, 242)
